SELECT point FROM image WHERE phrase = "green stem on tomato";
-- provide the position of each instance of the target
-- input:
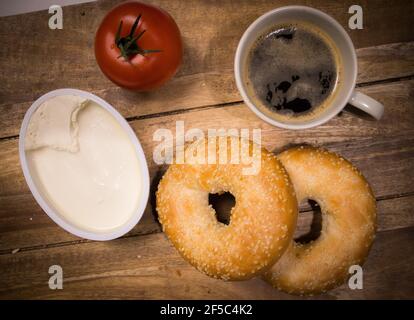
(128, 45)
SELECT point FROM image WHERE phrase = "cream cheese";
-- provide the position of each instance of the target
(83, 162)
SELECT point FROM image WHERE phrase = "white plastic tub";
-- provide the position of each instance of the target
(44, 202)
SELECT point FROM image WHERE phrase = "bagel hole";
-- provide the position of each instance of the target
(309, 224)
(222, 203)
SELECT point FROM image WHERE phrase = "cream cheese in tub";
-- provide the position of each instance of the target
(84, 164)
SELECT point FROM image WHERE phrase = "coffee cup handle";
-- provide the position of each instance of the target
(367, 104)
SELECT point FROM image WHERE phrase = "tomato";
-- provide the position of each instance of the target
(150, 60)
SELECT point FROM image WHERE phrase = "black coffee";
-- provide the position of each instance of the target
(292, 70)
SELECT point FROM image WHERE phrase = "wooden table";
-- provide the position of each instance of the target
(143, 264)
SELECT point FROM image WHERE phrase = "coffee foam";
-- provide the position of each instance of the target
(293, 65)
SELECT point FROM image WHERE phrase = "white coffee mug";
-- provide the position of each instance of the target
(345, 93)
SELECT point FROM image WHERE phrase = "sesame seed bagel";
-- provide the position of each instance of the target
(348, 222)
(262, 221)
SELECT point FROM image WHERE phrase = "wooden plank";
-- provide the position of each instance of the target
(386, 273)
(213, 87)
(385, 61)
(25, 226)
(392, 214)
(397, 122)
(148, 267)
(387, 143)
(206, 76)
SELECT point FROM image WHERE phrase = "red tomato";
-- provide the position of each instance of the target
(141, 69)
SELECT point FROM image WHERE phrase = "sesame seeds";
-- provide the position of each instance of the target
(257, 233)
(264, 216)
(348, 228)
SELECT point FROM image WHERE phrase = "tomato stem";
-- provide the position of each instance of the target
(128, 45)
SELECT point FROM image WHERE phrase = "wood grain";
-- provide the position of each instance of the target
(392, 214)
(143, 264)
(148, 267)
(64, 58)
(387, 143)
(29, 228)
(350, 126)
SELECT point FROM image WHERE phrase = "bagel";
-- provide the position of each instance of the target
(348, 222)
(261, 224)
